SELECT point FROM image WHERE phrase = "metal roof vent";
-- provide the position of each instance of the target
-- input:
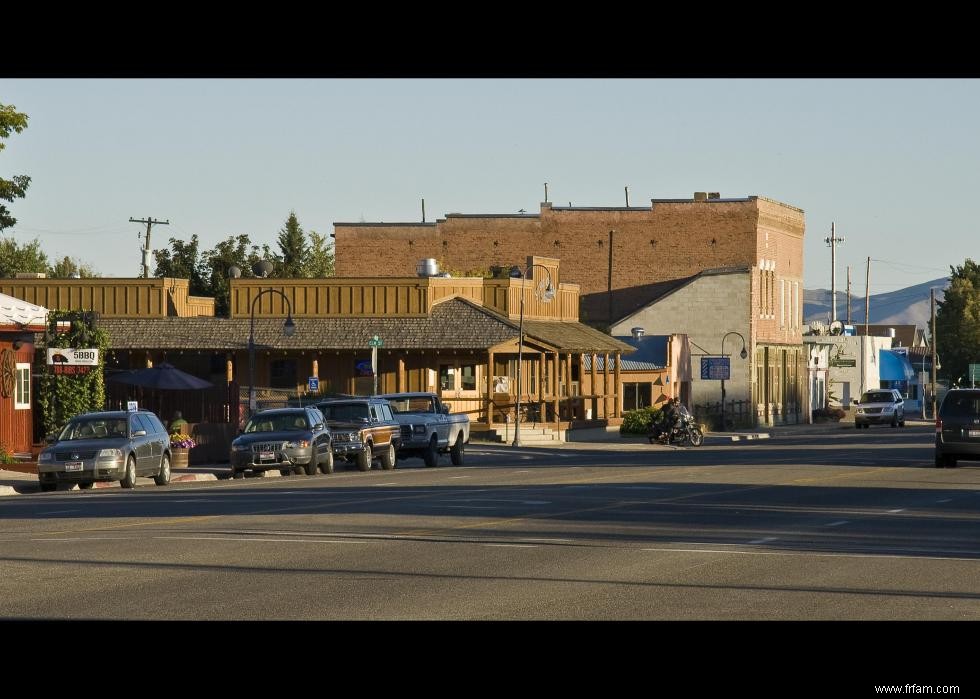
(638, 333)
(427, 267)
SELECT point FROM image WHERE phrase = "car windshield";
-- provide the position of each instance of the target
(345, 412)
(281, 422)
(878, 397)
(413, 405)
(94, 428)
(966, 405)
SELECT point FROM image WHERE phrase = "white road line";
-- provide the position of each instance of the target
(471, 507)
(525, 471)
(388, 483)
(895, 511)
(514, 546)
(275, 541)
(946, 500)
(836, 524)
(549, 541)
(968, 555)
(57, 512)
(455, 477)
(764, 540)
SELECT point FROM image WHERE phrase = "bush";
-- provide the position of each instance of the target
(639, 421)
(5, 456)
(829, 413)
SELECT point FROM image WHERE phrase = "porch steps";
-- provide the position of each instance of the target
(532, 436)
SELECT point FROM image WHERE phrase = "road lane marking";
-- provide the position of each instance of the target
(58, 512)
(513, 546)
(764, 540)
(388, 483)
(836, 524)
(891, 512)
(255, 539)
(808, 554)
(946, 500)
(455, 477)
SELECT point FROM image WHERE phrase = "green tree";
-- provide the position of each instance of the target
(292, 245)
(958, 323)
(11, 120)
(216, 265)
(21, 258)
(320, 257)
(67, 267)
(182, 261)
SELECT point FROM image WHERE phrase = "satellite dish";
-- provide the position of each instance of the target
(837, 327)
(262, 268)
(234, 272)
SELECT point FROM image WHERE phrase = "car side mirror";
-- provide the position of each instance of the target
(139, 433)
(445, 409)
(51, 438)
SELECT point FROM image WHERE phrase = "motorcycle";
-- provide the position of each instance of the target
(685, 433)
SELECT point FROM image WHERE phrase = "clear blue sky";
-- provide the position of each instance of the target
(891, 161)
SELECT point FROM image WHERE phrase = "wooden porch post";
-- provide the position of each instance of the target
(555, 361)
(593, 389)
(490, 389)
(401, 374)
(617, 410)
(605, 386)
(542, 367)
(229, 368)
(568, 385)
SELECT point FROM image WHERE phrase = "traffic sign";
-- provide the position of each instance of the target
(375, 342)
(717, 368)
(313, 383)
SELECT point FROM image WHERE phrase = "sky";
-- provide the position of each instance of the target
(890, 161)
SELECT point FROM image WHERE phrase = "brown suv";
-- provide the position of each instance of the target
(363, 429)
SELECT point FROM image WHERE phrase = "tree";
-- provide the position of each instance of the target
(215, 266)
(292, 245)
(21, 258)
(66, 268)
(320, 257)
(182, 262)
(11, 120)
(958, 323)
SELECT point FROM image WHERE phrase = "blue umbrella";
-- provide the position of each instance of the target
(163, 376)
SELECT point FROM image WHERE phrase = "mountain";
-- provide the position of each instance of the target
(908, 306)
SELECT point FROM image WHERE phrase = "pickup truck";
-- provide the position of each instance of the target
(428, 429)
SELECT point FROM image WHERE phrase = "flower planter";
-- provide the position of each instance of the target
(180, 457)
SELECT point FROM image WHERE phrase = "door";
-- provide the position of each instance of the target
(142, 445)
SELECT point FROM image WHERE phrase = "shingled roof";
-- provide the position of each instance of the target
(453, 324)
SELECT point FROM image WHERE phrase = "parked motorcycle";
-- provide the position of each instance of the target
(685, 433)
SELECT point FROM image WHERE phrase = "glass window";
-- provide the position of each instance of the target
(22, 387)
(467, 377)
(145, 423)
(282, 373)
(447, 377)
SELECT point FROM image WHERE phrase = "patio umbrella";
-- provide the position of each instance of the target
(163, 376)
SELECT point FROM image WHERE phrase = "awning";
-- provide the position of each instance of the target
(894, 367)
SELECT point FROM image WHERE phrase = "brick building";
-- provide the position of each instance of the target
(624, 258)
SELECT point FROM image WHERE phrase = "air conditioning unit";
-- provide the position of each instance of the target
(501, 384)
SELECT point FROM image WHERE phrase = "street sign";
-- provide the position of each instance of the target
(974, 374)
(375, 342)
(716, 368)
(313, 384)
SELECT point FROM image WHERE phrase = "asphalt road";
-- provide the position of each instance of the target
(841, 525)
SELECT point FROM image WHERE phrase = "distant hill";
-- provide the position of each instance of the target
(909, 306)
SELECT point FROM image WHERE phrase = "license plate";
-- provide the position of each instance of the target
(74, 465)
(267, 455)
(973, 433)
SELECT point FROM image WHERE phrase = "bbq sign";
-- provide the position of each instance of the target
(67, 360)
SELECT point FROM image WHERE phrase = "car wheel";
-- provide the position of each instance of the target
(950, 461)
(48, 487)
(327, 465)
(364, 458)
(129, 478)
(311, 467)
(86, 485)
(456, 453)
(163, 478)
(388, 458)
(895, 421)
(285, 472)
(431, 454)
(236, 473)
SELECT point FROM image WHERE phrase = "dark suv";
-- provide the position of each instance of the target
(958, 427)
(109, 446)
(363, 429)
(287, 439)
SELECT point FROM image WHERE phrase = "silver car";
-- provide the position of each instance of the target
(110, 446)
(882, 406)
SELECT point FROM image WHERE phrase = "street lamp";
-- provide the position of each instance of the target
(288, 328)
(743, 354)
(546, 295)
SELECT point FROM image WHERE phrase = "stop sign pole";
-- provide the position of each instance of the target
(375, 342)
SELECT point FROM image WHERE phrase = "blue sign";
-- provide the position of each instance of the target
(716, 368)
(313, 383)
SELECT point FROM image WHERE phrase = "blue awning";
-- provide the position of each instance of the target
(894, 367)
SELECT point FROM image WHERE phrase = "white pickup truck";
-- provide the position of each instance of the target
(427, 427)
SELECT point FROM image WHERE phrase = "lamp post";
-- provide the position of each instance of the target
(743, 354)
(547, 295)
(288, 328)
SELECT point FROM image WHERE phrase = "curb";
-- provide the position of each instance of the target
(740, 437)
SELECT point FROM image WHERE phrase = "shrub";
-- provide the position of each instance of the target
(830, 413)
(5, 456)
(638, 421)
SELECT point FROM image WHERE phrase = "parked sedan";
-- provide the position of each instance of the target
(110, 446)
(958, 427)
(883, 406)
(287, 439)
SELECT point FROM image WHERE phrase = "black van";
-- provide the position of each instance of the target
(958, 427)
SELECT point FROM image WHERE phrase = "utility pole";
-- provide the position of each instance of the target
(867, 297)
(932, 301)
(146, 247)
(848, 294)
(832, 242)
